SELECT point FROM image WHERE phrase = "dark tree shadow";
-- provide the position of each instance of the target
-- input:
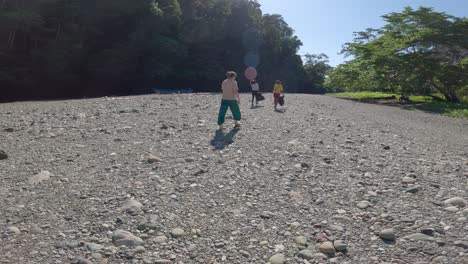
(222, 139)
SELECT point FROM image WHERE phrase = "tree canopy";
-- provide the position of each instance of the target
(418, 51)
(67, 48)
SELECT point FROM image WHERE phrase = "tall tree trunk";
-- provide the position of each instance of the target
(451, 97)
(11, 39)
(59, 29)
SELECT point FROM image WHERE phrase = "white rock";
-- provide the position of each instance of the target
(408, 180)
(140, 250)
(363, 204)
(452, 209)
(301, 240)
(153, 159)
(13, 230)
(177, 232)
(160, 239)
(279, 248)
(40, 177)
(277, 259)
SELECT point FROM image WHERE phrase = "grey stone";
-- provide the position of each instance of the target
(140, 250)
(321, 237)
(67, 244)
(191, 247)
(160, 239)
(3, 155)
(387, 234)
(419, 237)
(245, 254)
(125, 238)
(408, 180)
(189, 159)
(427, 230)
(452, 209)
(440, 259)
(413, 189)
(36, 230)
(337, 228)
(305, 254)
(340, 246)
(277, 259)
(219, 245)
(177, 232)
(132, 204)
(462, 244)
(109, 251)
(93, 247)
(82, 261)
(267, 215)
(363, 204)
(456, 201)
(153, 159)
(441, 242)
(13, 230)
(96, 256)
(162, 261)
(320, 256)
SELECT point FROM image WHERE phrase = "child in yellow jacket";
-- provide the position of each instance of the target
(277, 91)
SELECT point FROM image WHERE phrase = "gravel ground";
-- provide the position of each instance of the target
(148, 179)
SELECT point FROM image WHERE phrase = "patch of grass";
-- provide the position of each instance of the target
(420, 98)
(364, 95)
(379, 95)
(459, 110)
(435, 103)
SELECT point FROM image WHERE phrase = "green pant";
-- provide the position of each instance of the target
(225, 104)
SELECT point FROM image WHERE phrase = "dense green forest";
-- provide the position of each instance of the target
(417, 52)
(68, 48)
(76, 48)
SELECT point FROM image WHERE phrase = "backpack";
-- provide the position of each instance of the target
(260, 97)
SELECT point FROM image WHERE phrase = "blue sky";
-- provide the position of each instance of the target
(325, 25)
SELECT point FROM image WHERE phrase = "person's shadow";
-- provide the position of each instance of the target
(256, 106)
(222, 139)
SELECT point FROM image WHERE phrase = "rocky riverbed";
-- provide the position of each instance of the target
(149, 179)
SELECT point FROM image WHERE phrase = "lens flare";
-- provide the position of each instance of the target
(252, 39)
(252, 59)
(250, 73)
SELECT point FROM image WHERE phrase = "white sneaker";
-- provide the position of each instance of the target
(237, 124)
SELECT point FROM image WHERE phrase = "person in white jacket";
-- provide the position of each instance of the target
(255, 91)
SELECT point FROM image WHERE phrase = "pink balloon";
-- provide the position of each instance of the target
(250, 73)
